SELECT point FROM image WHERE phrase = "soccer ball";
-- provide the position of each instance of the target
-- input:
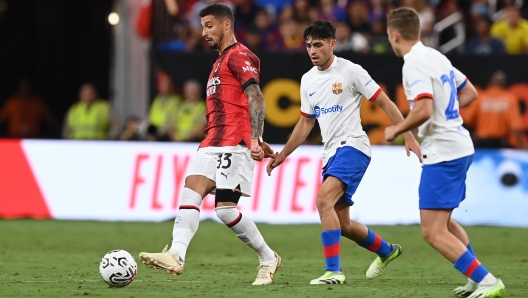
(118, 268)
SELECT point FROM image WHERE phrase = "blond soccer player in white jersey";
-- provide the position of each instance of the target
(331, 93)
(436, 90)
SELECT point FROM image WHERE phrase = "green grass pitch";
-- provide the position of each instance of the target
(61, 259)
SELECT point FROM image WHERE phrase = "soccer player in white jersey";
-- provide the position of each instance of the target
(437, 90)
(331, 92)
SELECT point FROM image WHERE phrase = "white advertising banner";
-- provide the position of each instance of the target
(140, 181)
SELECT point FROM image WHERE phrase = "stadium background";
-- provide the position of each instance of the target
(61, 44)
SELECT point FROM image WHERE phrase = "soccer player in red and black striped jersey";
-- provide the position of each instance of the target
(225, 160)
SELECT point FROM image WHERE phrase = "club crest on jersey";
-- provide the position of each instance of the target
(337, 88)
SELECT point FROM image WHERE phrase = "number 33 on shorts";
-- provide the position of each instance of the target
(226, 169)
(224, 160)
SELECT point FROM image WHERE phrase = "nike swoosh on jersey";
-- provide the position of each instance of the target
(312, 93)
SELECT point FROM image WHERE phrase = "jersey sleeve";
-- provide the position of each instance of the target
(363, 83)
(245, 67)
(306, 107)
(460, 79)
(418, 83)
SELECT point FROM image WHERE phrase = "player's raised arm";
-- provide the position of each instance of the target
(396, 117)
(300, 133)
(362, 82)
(421, 112)
(420, 91)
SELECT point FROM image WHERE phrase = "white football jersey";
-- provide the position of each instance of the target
(429, 74)
(333, 96)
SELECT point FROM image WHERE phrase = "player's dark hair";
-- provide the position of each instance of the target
(320, 30)
(219, 11)
(405, 20)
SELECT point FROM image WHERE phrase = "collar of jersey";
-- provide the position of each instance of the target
(419, 44)
(228, 48)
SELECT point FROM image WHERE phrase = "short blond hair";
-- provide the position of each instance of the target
(405, 20)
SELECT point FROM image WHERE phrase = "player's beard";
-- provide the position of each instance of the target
(215, 45)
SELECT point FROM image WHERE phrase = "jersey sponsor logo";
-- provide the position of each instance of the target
(213, 81)
(368, 82)
(323, 111)
(211, 85)
(312, 93)
(337, 88)
(249, 67)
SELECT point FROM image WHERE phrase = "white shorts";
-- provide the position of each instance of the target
(228, 168)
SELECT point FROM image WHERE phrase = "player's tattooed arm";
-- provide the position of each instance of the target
(256, 110)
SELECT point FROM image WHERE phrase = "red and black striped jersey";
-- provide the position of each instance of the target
(228, 121)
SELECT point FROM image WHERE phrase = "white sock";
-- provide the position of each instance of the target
(186, 223)
(247, 231)
(489, 279)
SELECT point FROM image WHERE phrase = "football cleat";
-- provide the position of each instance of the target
(330, 278)
(266, 273)
(467, 289)
(164, 261)
(496, 290)
(378, 266)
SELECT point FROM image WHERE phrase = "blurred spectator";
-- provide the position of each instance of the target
(379, 43)
(253, 39)
(273, 7)
(152, 133)
(166, 25)
(131, 129)
(190, 121)
(513, 31)
(378, 10)
(245, 13)
(269, 33)
(25, 112)
(164, 107)
(479, 8)
(347, 41)
(331, 12)
(357, 17)
(291, 37)
(303, 12)
(495, 115)
(446, 8)
(483, 43)
(90, 118)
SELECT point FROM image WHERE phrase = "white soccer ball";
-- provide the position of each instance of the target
(118, 268)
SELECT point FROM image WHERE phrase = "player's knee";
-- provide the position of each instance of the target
(226, 214)
(323, 203)
(431, 235)
(199, 184)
